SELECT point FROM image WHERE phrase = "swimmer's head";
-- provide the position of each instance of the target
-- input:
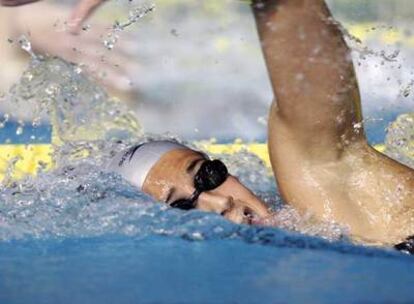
(184, 178)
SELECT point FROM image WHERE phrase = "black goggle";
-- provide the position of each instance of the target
(211, 175)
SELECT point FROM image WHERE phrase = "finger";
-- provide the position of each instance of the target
(81, 12)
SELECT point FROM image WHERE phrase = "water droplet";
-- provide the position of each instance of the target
(36, 122)
(19, 130)
(51, 89)
(262, 120)
(406, 91)
(174, 32)
(26, 45)
(86, 27)
(134, 15)
(111, 41)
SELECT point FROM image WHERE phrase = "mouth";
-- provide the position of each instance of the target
(252, 218)
(243, 215)
(249, 217)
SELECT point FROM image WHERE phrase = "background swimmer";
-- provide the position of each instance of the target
(55, 28)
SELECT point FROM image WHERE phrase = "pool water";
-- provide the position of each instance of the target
(170, 270)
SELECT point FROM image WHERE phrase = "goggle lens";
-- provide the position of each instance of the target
(211, 175)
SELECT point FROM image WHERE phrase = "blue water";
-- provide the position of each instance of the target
(169, 270)
(175, 257)
(39, 135)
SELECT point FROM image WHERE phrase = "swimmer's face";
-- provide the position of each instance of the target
(172, 179)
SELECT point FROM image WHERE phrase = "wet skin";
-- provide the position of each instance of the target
(172, 178)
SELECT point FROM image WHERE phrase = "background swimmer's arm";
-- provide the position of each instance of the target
(312, 75)
(50, 34)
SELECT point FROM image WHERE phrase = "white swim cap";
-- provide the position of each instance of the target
(135, 163)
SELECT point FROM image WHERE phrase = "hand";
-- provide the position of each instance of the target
(50, 34)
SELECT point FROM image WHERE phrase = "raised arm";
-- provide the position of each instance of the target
(317, 145)
(312, 75)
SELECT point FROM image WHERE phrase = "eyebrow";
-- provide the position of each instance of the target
(193, 164)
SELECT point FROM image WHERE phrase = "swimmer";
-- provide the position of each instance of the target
(187, 179)
(318, 149)
(319, 153)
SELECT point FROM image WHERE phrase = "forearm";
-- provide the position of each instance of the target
(310, 68)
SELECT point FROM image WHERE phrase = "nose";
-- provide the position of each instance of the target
(214, 203)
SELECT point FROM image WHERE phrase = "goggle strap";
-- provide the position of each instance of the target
(195, 195)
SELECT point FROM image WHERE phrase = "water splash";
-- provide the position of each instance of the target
(134, 16)
(358, 46)
(400, 139)
(406, 90)
(78, 109)
(26, 46)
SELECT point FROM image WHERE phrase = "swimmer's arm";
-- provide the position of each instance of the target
(312, 75)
